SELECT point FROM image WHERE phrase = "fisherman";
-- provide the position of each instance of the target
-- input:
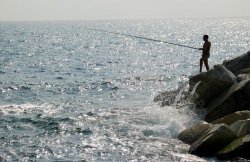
(205, 53)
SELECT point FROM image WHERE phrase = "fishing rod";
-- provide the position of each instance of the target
(139, 37)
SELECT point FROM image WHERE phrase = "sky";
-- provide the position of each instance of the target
(30, 10)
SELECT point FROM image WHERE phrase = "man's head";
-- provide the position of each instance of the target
(205, 37)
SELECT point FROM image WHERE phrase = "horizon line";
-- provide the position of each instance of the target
(124, 19)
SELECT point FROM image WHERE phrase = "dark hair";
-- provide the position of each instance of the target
(206, 36)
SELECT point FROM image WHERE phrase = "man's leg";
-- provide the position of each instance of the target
(201, 63)
(206, 63)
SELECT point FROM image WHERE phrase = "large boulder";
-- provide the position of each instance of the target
(232, 118)
(237, 64)
(212, 84)
(194, 79)
(236, 98)
(241, 127)
(216, 139)
(190, 135)
(238, 148)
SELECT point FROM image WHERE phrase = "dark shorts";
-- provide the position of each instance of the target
(206, 55)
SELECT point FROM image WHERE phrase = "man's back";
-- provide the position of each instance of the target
(206, 47)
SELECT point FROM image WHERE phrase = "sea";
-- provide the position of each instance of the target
(71, 92)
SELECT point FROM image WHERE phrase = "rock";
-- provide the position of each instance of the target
(90, 113)
(212, 84)
(238, 148)
(244, 75)
(166, 98)
(216, 139)
(194, 79)
(173, 97)
(226, 98)
(84, 131)
(237, 64)
(241, 127)
(245, 71)
(239, 159)
(190, 135)
(236, 98)
(231, 118)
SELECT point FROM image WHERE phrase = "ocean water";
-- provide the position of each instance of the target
(68, 93)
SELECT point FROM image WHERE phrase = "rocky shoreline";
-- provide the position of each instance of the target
(223, 93)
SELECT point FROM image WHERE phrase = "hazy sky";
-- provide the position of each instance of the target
(120, 9)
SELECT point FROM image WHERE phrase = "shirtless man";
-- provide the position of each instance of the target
(205, 53)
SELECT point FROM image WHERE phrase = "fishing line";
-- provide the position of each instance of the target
(139, 37)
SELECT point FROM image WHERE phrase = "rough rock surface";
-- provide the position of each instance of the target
(241, 127)
(238, 148)
(212, 84)
(238, 64)
(225, 99)
(173, 97)
(190, 135)
(194, 79)
(236, 98)
(216, 139)
(232, 118)
(244, 75)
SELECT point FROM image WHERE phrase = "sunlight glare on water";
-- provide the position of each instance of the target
(68, 93)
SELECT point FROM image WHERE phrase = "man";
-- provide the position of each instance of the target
(205, 53)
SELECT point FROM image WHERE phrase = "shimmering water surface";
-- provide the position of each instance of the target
(68, 93)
